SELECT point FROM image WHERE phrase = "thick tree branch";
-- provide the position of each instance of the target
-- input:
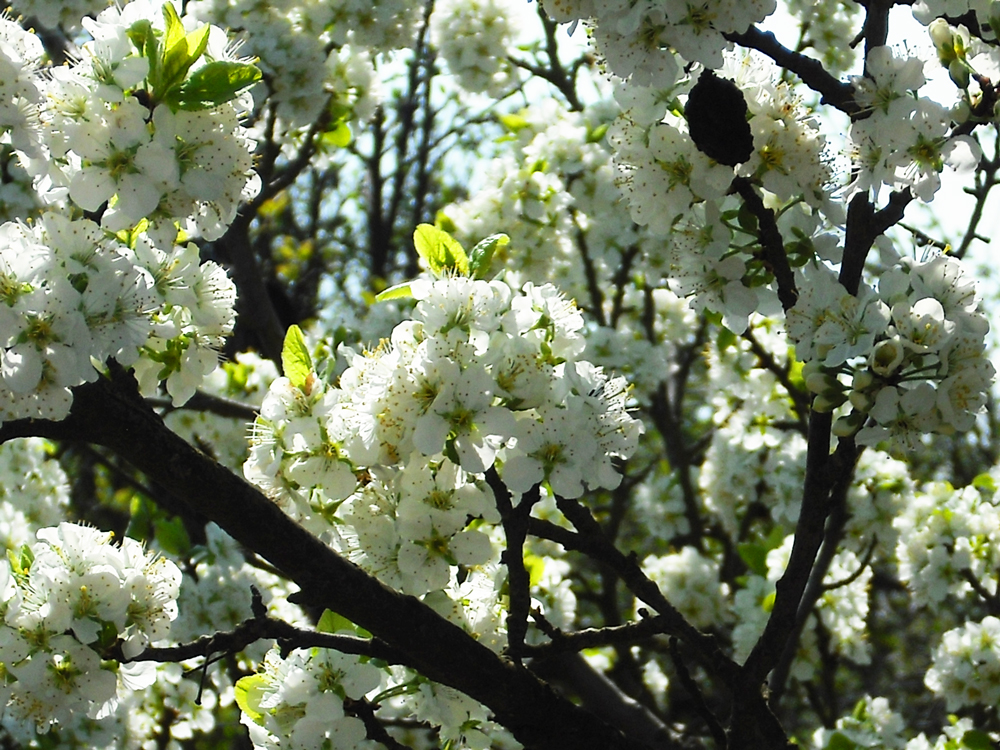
(808, 537)
(833, 534)
(111, 413)
(864, 225)
(253, 305)
(701, 708)
(601, 696)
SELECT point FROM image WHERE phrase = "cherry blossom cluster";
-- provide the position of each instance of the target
(386, 462)
(71, 294)
(293, 44)
(65, 13)
(676, 191)
(691, 581)
(825, 24)
(905, 140)
(639, 40)
(20, 53)
(482, 372)
(145, 124)
(663, 173)
(872, 723)
(948, 543)
(297, 702)
(559, 180)
(142, 130)
(67, 599)
(555, 188)
(915, 349)
(34, 491)
(842, 609)
(966, 667)
(473, 37)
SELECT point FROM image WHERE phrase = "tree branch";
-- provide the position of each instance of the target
(627, 568)
(253, 304)
(616, 635)
(601, 696)
(772, 245)
(110, 412)
(515, 526)
(811, 71)
(254, 629)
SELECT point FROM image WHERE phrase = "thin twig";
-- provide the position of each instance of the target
(771, 243)
(697, 699)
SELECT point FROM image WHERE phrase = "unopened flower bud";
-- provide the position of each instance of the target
(941, 37)
(958, 70)
(828, 402)
(848, 425)
(810, 368)
(821, 382)
(960, 112)
(887, 357)
(860, 401)
(862, 380)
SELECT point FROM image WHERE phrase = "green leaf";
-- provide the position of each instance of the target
(442, 252)
(754, 554)
(140, 525)
(755, 557)
(482, 254)
(108, 634)
(331, 622)
(535, 566)
(295, 360)
(725, 338)
(976, 740)
(985, 482)
(397, 291)
(338, 137)
(248, 692)
(795, 371)
(180, 51)
(513, 123)
(174, 27)
(860, 710)
(443, 222)
(747, 219)
(597, 134)
(839, 741)
(20, 562)
(172, 536)
(142, 35)
(215, 83)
